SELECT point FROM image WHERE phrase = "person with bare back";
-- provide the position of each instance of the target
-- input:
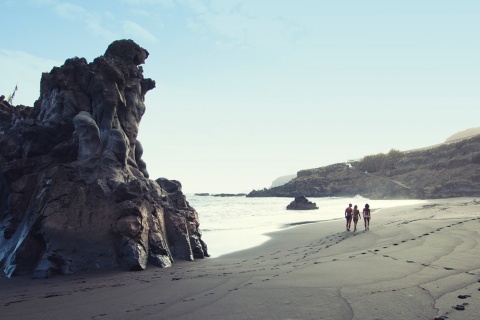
(356, 216)
(348, 216)
(366, 216)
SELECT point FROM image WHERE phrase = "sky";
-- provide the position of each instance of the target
(251, 90)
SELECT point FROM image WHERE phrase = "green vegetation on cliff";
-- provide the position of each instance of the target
(380, 162)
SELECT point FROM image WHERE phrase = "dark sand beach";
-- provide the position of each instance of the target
(415, 262)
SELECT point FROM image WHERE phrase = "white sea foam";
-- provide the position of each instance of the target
(232, 224)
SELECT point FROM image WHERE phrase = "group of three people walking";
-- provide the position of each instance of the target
(354, 214)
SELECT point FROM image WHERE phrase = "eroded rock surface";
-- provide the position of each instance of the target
(74, 191)
(302, 203)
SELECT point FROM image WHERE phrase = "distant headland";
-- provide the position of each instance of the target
(450, 169)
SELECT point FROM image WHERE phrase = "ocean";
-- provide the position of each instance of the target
(230, 224)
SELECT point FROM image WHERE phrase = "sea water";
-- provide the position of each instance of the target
(230, 224)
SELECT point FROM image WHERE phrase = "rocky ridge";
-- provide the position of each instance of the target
(443, 171)
(75, 193)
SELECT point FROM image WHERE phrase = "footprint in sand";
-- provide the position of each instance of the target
(52, 295)
(12, 302)
(100, 315)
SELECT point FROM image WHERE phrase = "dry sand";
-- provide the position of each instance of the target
(415, 262)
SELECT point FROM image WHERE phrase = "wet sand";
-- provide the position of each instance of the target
(415, 262)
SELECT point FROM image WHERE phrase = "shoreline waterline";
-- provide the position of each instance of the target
(231, 224)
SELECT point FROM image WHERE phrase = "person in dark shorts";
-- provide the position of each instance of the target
(348, 216)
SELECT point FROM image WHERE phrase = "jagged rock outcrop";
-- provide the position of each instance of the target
(447, 170)
(74, 191)
(302, 203)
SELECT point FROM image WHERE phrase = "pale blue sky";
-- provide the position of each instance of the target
(251, 90)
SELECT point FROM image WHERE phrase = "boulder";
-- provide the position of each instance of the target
(302, 203)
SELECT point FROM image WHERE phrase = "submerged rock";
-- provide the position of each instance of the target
(302, 203)
(74, 191)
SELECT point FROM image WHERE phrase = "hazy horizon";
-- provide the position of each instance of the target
(248, 91)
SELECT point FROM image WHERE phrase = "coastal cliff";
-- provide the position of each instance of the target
(75, 194)
(448, 170)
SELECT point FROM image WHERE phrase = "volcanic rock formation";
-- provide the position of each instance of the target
(74, 191)
(302, 203)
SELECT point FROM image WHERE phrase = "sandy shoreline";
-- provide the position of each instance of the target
(413, 263)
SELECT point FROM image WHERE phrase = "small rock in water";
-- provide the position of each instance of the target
(302, 203)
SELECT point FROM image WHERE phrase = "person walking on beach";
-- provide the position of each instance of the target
(356, 216)
(348, 216)
(366, 216)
